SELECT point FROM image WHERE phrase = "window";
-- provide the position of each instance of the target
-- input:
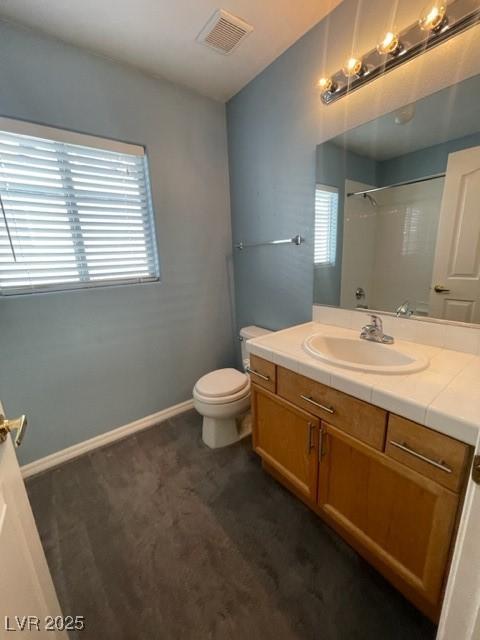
(326, 214)
(75, 211)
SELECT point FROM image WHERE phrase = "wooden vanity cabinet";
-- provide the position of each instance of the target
(286, 438)
(396, 505)
(401, 520)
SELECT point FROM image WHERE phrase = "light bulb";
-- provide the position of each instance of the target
(433, 17)
(327, 84)
(353, 67)
(390, 44)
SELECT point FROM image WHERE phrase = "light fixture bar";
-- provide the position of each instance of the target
(413, 41)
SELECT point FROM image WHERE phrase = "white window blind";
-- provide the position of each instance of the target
(71, 215)
(326, 214)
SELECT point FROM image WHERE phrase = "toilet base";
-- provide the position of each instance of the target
(221, 432)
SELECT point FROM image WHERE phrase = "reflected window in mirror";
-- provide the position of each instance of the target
(326, 221)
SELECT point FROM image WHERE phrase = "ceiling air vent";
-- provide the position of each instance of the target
(224, 32)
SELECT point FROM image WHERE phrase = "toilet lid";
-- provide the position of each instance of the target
(222, 382)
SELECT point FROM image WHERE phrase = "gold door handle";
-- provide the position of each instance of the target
(18, 424)
(438, 288)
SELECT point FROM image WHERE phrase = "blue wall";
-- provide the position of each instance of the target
(271, 138)
(79, 363)
(425, 162)
(274, 126)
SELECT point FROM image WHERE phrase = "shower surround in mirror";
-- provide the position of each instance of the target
(393, 261)
(417, 242)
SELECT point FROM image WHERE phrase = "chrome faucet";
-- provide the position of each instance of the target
(374, 331)
(404, 310)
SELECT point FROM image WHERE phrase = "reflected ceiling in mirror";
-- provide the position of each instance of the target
(396, 210)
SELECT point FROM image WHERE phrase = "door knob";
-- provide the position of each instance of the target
(18, 424)
(439, 289)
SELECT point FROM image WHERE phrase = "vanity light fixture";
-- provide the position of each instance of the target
(439, 21)
(354, 68)
(327, 84)
(434, 17)
(390, 44)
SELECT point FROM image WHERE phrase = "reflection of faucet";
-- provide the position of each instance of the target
(374, 331)
(404, 310)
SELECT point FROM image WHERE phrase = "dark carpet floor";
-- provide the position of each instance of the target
(158, 537)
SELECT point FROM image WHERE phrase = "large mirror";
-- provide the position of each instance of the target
(397, 210)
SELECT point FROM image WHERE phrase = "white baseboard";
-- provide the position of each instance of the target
(54, 459)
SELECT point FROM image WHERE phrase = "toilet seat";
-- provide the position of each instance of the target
(222, 386)
(222, 382)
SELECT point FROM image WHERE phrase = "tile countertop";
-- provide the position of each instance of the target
(445, 396)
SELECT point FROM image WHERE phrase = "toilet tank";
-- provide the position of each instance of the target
(250, 332)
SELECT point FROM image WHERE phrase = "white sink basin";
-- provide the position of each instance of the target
(363, 355)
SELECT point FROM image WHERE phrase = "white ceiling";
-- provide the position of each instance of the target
(158, 36)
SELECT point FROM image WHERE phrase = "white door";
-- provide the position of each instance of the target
(476, 630)
(455, 291)
(460, 618)
(29, 606)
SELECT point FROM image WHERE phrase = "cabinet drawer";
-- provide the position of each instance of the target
(262, 372)
(432, 454)
(360, 419)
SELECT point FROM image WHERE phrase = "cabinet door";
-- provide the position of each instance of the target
(400, 520)
(287, 439)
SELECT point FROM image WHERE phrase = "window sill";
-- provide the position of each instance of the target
(83, 287)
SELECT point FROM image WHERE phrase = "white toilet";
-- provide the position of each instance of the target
(222, 397)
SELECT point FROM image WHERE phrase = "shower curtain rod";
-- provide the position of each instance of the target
(397, 184)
